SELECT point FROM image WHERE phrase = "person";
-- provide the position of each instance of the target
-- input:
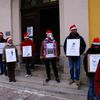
(74, 61)
(49, 53)
(29, 57)
(2, 64)
(10, 62)
(97, 81)
(94, 49)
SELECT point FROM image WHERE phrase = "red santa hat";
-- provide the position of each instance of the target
(48, 32)
(9, 39)
(73, 27)
(1, 33)
(96, 41)
(26, 35)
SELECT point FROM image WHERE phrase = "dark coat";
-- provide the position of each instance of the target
(91, 50)
(28, 43)
(97, 81)
(76, 36)
(2, 41)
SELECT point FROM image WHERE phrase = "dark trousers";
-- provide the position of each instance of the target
(28, 67)
(11, 71)
(3, 68)
(53, 63)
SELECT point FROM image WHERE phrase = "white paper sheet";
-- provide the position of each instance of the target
(27, 51)
(73, 47)
(10, 55)
(1, 47)
(93, 62)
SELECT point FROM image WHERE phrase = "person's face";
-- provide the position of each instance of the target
(10, 41)
(1, 36)
(26, 39)
(74, 30)
(96, 47)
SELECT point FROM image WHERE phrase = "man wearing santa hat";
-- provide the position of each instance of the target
(28, 59)
(94, 49)
(74, 61)
(49, 53)
(2, 64)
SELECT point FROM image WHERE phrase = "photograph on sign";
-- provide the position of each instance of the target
(73, 47)
(10, 55)
(30, 30)
(49, 50)
(27, 51)
(2, 45)
(93, 60)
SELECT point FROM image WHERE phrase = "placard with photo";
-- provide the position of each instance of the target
(93, 60)
(10, 55)
(2, 45)
(27, 51)
(50, 50)
(73, 47)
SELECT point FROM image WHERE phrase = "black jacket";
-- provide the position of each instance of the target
(2, 41)
(91, 50)
(76, 36)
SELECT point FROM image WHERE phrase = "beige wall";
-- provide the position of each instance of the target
(16, 23)
(5, 15)
(72, 12)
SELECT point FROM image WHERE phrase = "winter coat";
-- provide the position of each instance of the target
(4, 53)
(97, 81)
(91, 50)
(28, 43)
(2, 41)
(76, 36)
(43, 48)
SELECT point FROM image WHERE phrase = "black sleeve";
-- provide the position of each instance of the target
(82, 45)
(65, 46)
(85, 61)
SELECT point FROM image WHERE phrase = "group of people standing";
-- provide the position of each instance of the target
(49, 53)
(93, 53)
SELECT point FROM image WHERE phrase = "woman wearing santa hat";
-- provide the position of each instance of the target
(94, 49)
(9, 60)
(49, 53)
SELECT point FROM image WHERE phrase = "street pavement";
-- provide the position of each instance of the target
(35, 88)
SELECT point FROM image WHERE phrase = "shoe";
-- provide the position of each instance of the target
(47, 80)
(10, 80)
(71, 82)
(1, 73)
(58, 80)
(13, 80)
(28, 75)
(77, 82)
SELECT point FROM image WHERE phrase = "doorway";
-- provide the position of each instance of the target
(41, 18)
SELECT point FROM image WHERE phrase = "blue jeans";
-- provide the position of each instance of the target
(3, 68)
(74, 64)
(91, 92)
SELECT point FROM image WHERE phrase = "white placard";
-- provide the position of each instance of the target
(27, 51)
(73, 47)
(1, 47)
(30, 30)
(10, 55)
(49, 50)
(93, 62)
